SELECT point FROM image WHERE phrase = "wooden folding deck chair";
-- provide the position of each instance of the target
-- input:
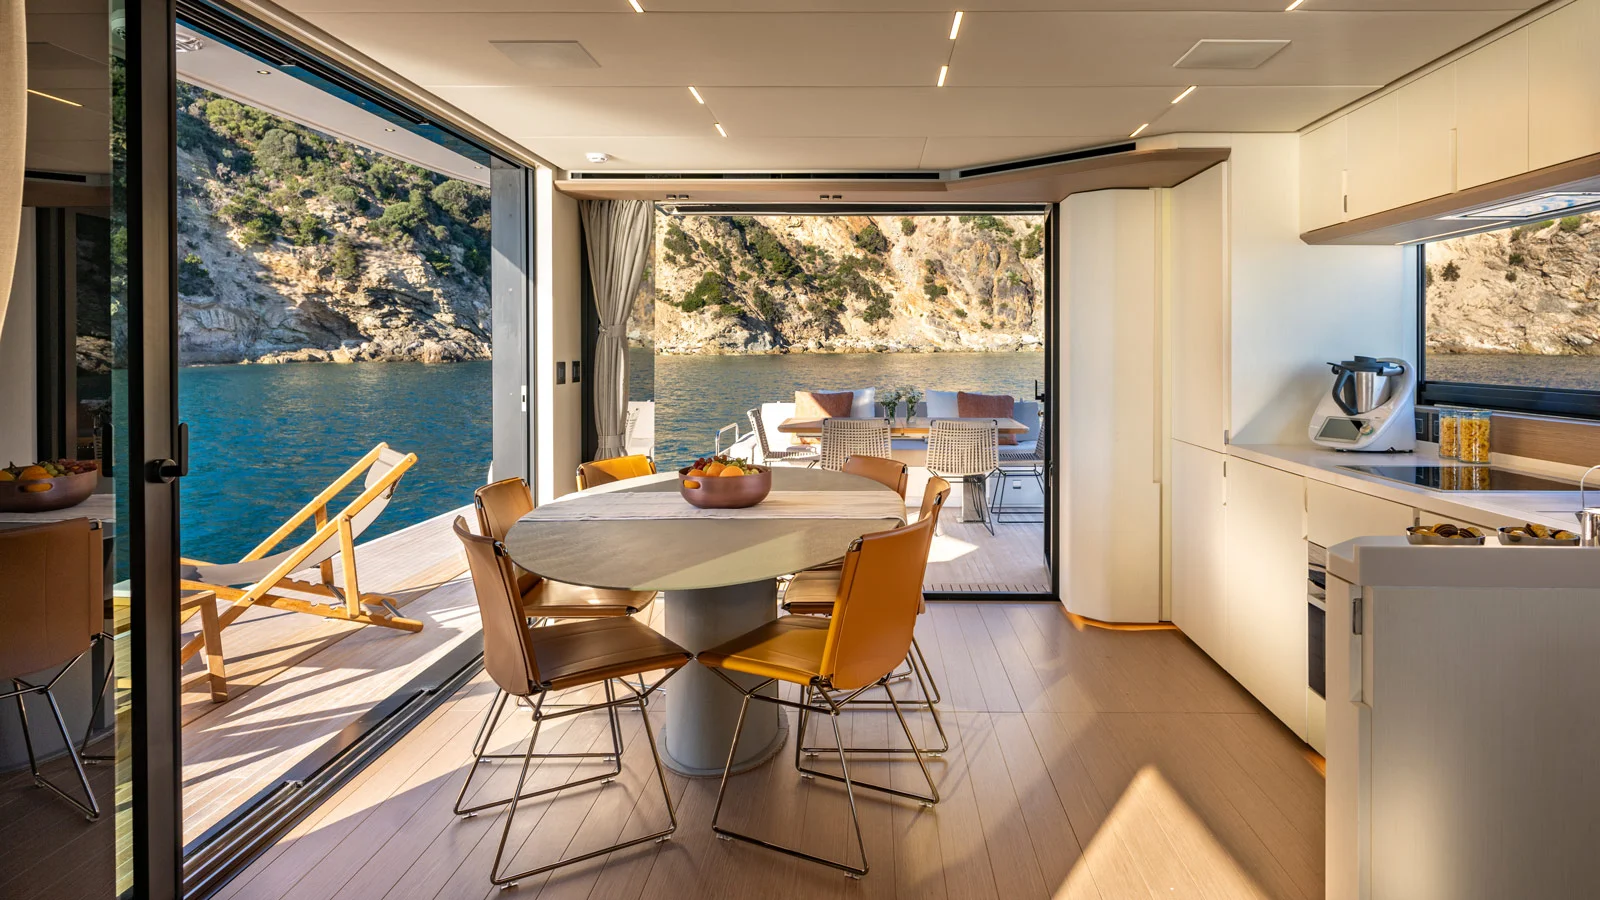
(262, 580)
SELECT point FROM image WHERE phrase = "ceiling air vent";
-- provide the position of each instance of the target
(1229, 54)
(547, 54)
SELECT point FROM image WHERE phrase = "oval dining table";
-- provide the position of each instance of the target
(717, 572)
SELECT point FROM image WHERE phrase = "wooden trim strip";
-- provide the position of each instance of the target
(1573, 442)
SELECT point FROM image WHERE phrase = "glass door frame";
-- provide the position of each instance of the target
(155, 456)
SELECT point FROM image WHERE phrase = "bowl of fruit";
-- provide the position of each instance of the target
(44, 486)
(722, 482)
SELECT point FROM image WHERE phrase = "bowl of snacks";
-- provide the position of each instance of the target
(722, 482)
(1444, 535)
(44, 486)
(1531, 535)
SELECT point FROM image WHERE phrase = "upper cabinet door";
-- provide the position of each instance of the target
(1373, 157)
(1564, 85)
(1322, 164)
(1425, 137)
(1199, 298)
(1492, 117)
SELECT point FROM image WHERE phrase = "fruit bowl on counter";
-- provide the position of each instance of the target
(47, 486)
(720, 482)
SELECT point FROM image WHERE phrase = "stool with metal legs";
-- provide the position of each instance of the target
(834, 662)
(53, 607)
(533, 663)
(814, 592)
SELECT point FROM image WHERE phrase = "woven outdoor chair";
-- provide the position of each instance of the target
(1016, 466)
(968, 450)
(844, 438)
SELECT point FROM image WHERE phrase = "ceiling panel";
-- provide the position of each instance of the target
(849, 83)
(1140, 48)
(716, 154)
(579, 111)
(931, 111)
(699, 49)
(972, 7)
(956, 152)
(1256, 108)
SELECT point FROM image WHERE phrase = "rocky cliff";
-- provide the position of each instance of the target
(779, 284)
(297, 246)
(1534, 289)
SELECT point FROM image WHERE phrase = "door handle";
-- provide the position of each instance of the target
(165, 471)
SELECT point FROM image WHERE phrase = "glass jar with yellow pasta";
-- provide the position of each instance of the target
(1473, 436)
(1449, 432)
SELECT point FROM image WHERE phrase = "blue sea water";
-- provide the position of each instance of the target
(263, 440)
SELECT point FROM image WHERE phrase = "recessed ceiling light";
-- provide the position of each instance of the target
(263, 71)
(188, 43)
(636, 6)
(388, 129)
(1137, 131)
(53, 97)
(1186, 92)
(943, 71)
(1291, 7)
(720, 129)
(955, 26)
(697, 98)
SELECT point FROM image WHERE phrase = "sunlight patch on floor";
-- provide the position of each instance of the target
(946, 548)
(1150, 804)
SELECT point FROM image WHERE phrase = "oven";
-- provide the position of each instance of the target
(1316, 645)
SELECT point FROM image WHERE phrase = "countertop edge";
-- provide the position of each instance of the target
(1558, 510)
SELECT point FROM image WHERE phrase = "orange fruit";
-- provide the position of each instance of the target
(35, 487)
(33, 472)
(715, 468)
(732, 472)
(691, 485)
(695, 472)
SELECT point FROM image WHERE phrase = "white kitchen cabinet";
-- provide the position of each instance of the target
(1563, 94)
(1322, 173)
(1335, 515)
(1425, 135)
(1265, 557)
(1199, 298)
(1373, 157)
(1492, 125)
(1199, 588)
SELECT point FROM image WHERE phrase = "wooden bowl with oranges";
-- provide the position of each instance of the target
(721, 482)
(47, 486)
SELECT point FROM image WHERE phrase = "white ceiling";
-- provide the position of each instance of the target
(822, 84)
(69, 43)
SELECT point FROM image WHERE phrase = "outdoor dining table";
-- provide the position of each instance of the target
(717, 571)
(916, 426)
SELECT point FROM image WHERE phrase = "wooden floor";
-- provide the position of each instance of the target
(966, 558)
(1083, 763)
(296, 680)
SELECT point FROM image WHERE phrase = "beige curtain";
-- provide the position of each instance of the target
(617, 234)
(13, 136)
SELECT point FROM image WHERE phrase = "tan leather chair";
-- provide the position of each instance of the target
(533, 663)
(812, 593)
(617, 468)
(52, 610)
(835, 661)
(890, 473)
(499, 507)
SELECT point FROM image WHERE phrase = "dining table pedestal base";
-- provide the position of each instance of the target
(702, 710)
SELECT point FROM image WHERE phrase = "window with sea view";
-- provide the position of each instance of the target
(1517, 312)
(742, 310)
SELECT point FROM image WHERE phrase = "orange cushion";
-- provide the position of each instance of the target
(822, 404)
(987, 406)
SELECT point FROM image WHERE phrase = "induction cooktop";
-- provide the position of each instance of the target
(1466, 478)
